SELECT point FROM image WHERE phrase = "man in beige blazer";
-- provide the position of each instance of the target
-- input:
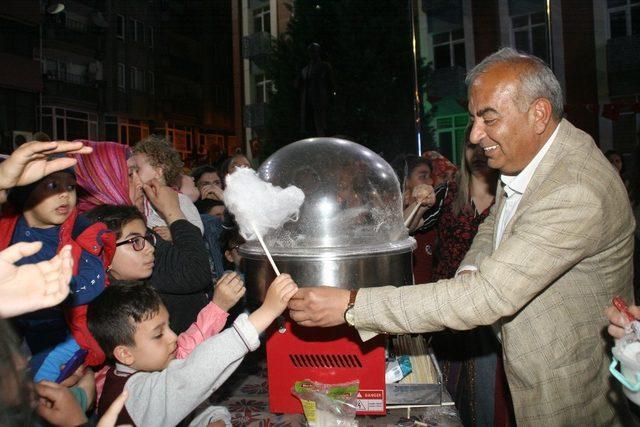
(545, 264)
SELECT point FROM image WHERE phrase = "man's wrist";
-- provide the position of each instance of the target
(348, 314)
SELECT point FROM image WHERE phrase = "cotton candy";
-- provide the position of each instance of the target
(259, 206)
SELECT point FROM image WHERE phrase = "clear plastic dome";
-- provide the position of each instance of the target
(353, 202)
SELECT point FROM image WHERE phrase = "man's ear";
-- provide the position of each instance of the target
(123, 354)
(228, 256)
(542, 111)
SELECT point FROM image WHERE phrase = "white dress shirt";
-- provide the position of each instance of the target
(515, 186)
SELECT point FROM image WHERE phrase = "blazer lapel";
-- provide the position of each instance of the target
(546, 165)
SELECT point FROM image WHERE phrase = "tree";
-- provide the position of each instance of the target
(368, 44)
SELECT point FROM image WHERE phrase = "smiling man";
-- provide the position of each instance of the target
(555, 249)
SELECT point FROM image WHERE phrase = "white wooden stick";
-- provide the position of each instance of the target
(266, 251)
(411, 215)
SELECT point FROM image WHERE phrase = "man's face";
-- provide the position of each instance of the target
(506, 134)
(52, 201)
(155, 343)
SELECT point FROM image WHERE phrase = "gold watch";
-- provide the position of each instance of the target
(349, 315)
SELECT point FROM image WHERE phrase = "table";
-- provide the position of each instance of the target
(246, 395)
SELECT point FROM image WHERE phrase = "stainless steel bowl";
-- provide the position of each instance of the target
(350, 231)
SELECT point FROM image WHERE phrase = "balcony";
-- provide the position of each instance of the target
(256, 47)
(70, 33)
(448, 82)
(71, 89)
(623, 65)
(255, 116)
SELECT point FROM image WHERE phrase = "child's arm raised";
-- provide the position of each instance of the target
(280, 292)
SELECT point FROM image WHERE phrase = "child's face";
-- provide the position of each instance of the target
(420, 175)
(146, 171)
(155, 343)
(129, 264)
(239, 162)
(52, 201)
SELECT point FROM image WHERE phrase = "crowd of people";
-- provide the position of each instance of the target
(120, 273)
(108, 261)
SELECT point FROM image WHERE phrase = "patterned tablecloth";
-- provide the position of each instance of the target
(246, 395)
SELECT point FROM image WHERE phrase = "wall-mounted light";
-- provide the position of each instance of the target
(54, 7)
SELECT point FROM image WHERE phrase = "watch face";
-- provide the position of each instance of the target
(350, 316)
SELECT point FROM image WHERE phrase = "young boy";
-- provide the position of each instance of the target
(132, 326)
(46, 211)
(153, 158)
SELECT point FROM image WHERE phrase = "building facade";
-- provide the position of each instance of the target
(120, 70)
(256, 24)
(593, 46)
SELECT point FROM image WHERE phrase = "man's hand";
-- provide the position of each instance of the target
(618, 321)
(58, 406)
(228, 291)
(31, 287)
(164, 199)
(319, 306)
(211, 191)
(29, 163)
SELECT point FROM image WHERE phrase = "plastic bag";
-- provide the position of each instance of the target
(328, 405)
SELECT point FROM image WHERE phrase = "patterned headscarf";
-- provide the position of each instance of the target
(103, 175)
(442, 170)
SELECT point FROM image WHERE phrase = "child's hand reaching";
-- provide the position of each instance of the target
(228, 291)
(275, 302)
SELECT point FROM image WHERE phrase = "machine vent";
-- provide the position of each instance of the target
(325, 361)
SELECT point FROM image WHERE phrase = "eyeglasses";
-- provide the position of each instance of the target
(139, 242)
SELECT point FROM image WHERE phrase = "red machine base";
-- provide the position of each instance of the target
(327, 355)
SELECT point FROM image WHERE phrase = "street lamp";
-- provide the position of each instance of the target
(51, 8)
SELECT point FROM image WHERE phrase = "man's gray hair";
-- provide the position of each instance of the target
(537, 80)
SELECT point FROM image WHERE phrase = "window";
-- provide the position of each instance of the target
(65, 71)
(624, 17)
(68, 125)
(120, 27)
(136, 30)
(131, 131)
(121, 79)
(110, 128)
(450, 132)
(76, 22)
(448, 49)
(151, 82)
(262, 20)
(149, 36)
(529, 33)
(136, 78)
(262, 89)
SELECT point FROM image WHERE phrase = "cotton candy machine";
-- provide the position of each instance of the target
(349, 234)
